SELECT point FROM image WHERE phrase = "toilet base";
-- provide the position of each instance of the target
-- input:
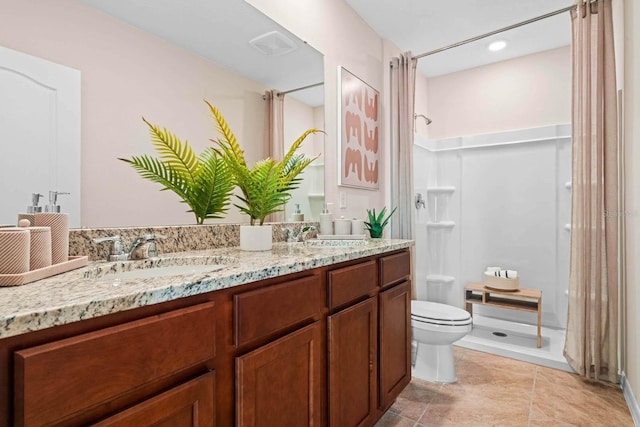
(434, 363)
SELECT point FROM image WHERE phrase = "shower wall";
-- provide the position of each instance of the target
(496, 205)
(500, 199)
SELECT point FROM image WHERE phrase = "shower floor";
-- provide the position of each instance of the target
(517, 341)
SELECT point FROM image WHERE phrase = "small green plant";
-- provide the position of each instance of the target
(267, 185)
(376, 223)
(203, 182)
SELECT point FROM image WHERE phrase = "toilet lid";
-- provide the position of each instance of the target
(433, 311)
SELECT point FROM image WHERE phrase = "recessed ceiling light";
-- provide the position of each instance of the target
(497, 45)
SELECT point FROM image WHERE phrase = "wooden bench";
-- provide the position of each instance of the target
(529, 300)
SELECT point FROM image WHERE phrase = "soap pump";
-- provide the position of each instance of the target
(35, 199)
(53, 205)
(297, 215)
(59, 224)
(31, 209)
(326, 222)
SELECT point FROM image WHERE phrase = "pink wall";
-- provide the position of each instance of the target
(530, 91)
(127, 74)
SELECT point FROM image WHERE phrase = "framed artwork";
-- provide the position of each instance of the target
(359, 141)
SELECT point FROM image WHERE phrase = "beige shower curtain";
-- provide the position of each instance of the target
(274, 134)
(592, 327)
(403, 80)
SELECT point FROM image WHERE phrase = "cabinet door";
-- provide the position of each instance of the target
(395, 342)
(189, 404)
(279, 384)
(352, 364)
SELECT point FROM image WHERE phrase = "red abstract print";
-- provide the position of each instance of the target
(360, 133)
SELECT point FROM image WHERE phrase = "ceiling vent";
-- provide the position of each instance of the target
(273, 44)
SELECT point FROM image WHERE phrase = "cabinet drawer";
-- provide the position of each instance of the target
(350, 283)
(58, 379)
(394, 268)
(189, 404)
(265, 311)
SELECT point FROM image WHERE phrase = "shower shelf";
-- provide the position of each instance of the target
(440, 278)
(441, 224)
(441, 190)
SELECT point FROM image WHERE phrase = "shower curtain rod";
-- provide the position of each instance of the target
(510, 27)
(302, 88)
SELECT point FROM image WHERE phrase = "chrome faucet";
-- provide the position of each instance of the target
(118, 253)
(300, 236)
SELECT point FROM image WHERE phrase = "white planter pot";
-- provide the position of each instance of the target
(256, 237)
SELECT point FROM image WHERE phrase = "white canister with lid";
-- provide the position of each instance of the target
(342, 226)
(14, 250)
(357, 226)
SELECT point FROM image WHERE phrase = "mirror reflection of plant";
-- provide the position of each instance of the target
(267, 185)
(203, 182)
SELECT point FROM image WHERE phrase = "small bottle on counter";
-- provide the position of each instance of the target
(297, 215)
(59, 224)
(326, 221)
(32, 209)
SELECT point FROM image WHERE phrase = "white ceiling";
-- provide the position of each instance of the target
(424, 25)
(220, 30)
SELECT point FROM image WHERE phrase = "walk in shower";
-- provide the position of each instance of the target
(501, 199)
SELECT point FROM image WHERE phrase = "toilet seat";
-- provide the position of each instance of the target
(439, 314)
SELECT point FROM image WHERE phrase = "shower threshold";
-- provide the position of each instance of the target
(517, 341)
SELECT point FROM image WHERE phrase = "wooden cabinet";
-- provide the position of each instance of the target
(328, 346)
(353, 348)
(368, 327)
(63, 379)
(278, 384)
(395, 342)
(281, 381)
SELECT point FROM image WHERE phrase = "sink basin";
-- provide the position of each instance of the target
(159, 267)
(172, 270)
(335, 243)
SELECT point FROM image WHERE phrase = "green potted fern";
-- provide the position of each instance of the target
(378, 222)
(204, 182)
(265, 186)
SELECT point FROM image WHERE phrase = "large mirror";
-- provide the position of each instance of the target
(160, 60)
(304, 109)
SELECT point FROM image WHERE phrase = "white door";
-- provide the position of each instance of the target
(39, 134)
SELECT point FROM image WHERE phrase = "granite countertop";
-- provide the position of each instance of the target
(91, 291)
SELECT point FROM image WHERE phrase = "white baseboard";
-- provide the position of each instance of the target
(632, 402)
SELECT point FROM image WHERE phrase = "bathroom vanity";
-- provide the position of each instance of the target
(295, 336)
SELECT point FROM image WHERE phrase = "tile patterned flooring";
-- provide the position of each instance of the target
(498, 391)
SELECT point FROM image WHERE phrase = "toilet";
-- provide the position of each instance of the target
(435, 327)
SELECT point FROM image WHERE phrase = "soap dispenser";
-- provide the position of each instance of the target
(59, 223)
(326, 222)
(31, 209)
(297, 215)
(53, 205)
